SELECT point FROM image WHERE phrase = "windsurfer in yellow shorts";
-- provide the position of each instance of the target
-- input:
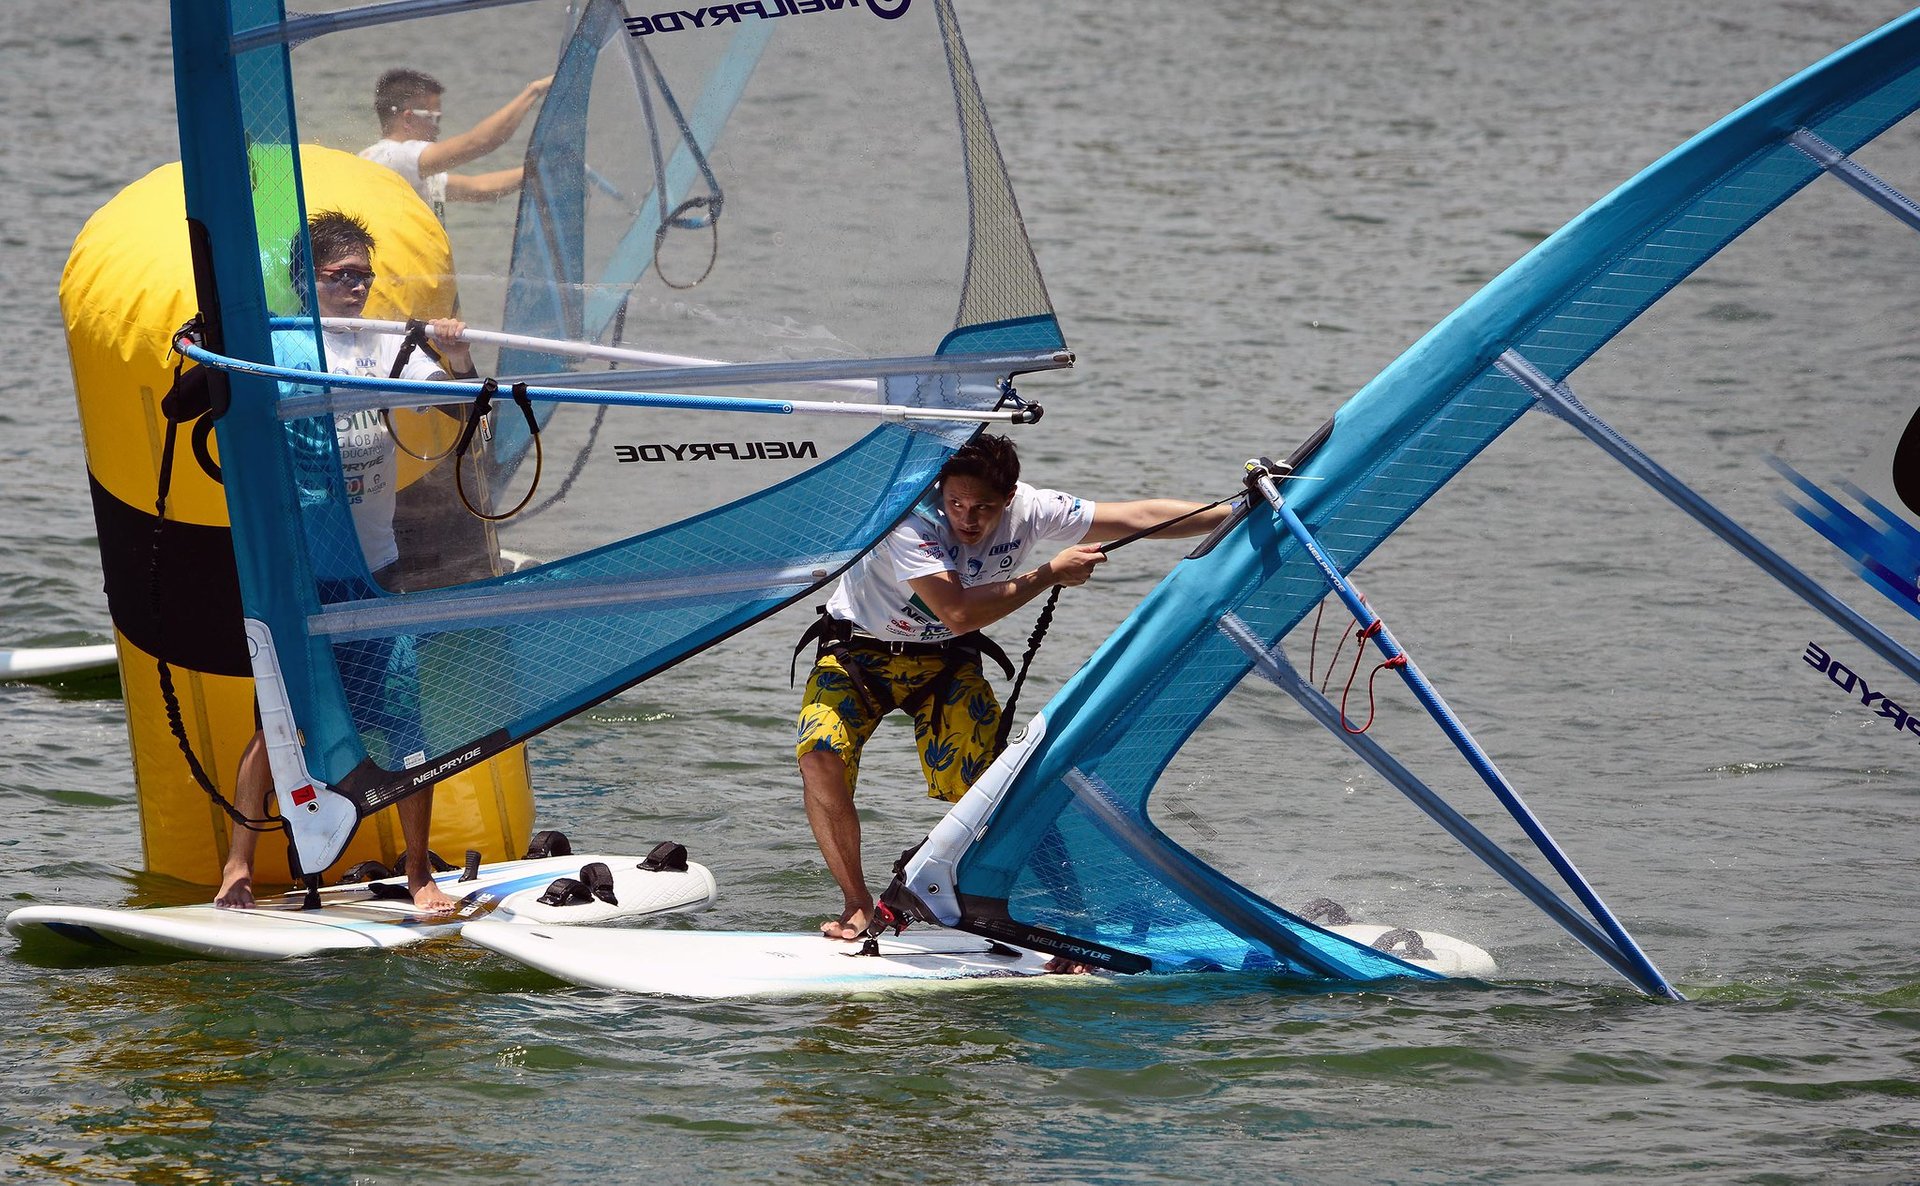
(901, 631)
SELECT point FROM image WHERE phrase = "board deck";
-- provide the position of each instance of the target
(720, 964)
(42, 662)
(350, 918)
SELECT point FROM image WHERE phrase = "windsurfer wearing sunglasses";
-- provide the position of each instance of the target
(407, 103)
(377, 673)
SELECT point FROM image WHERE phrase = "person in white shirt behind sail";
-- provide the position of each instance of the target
(407, 104)
(342, 250)
(901, 632)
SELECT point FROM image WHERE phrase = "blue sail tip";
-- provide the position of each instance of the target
(1019, 335)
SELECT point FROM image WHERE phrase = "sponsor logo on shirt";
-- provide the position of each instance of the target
(920, 613)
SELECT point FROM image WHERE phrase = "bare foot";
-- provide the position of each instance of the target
(1066, 967)
(851, 925)
(236, 890)
(432, 899)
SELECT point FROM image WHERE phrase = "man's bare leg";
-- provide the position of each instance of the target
(416, 820)
(250, 789)
(836, 827)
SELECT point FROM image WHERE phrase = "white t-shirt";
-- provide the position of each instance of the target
(366, 446)
(874, 594)
(403, 157)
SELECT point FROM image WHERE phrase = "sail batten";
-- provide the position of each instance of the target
(1858, 178)
(366, 619)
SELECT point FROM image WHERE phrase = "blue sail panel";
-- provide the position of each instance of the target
(1041, 862)
(562, 636)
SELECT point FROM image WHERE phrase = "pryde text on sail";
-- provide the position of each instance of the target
(676, 20)
(1847, 680)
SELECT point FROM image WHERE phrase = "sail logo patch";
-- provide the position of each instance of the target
(1847, 680)
(712, 15)
(718, 451)
(428, 777)
(1883, 546)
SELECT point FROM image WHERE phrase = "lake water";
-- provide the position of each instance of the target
(1244, 209)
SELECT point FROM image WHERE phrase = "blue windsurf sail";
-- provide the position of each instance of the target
(1058, 847)
(798, 220)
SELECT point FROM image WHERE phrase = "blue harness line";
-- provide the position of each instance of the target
(1620, 950)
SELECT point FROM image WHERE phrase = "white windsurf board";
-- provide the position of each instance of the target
(41, 662)
(719, 964)
(716, 964)
(350, 918)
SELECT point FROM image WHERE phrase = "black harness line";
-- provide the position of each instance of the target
(187, 400)
(416, 339)
(599, 418)
(481, 403)
(688, 214)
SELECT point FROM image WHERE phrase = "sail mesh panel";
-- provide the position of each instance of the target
(1003, 281)
(479, 670)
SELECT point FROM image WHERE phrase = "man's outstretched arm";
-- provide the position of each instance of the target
(485, 136)
(482, 187)
(1116, 520)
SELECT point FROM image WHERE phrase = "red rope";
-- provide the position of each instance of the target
(1360, 635)
(1363, 634)
(1396, 661)
(1352, 627)
(1313, 640)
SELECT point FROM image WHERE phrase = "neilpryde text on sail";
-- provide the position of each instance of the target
(719, 450)
(675, 21)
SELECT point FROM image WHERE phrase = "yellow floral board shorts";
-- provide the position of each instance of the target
(955, 737)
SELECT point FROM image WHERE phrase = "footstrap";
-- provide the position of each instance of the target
(599, 882)
(666, 857)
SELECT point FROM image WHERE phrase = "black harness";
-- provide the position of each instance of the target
(840, 640)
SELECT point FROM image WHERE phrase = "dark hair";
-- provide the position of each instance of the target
(400, 89)
(330, 235)
(987, 459)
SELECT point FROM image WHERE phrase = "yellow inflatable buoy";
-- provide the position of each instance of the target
(171, 588)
